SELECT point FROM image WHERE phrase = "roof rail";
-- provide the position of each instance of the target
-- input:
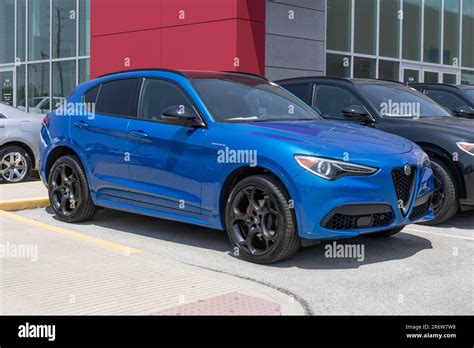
(143, 69)
(245, 73)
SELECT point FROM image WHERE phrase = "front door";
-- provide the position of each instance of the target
(166, 162)
(7, 86)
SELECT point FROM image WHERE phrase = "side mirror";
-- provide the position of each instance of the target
(464, 111)
(356, 113)
(181, 115)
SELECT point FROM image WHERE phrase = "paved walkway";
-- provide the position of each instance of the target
(53, 270)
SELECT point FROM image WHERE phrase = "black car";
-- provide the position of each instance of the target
(459, 99)
(396, 108)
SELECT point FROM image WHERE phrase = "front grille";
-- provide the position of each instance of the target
(420, 210)
(350, 222)
(404, 184)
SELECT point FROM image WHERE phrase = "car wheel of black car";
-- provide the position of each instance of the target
(69, 192)
(384, 234)
(259, 221)
(15, 165)
(445, 197)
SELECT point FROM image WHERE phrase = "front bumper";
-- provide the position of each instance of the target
(352, 206)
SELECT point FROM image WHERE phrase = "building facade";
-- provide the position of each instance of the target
(48, 46)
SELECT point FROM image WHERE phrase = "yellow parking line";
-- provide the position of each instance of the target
(70, 233)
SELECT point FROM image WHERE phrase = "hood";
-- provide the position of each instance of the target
(333, 135)
(457, 125)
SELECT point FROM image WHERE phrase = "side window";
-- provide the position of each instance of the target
(300, 90)
(91, 95)
(331, 100)
(116, 97)
(447, 99)
(159, 95)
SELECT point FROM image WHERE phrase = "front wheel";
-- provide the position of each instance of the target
(69, 192)
(259, 221)
(15, 165)
(445, 196)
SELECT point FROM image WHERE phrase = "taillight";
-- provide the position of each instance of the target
(46, 120)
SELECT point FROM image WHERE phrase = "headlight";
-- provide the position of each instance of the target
(425, 161)
(466, 147)
(332, 169)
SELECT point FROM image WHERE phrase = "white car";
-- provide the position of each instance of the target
(19, 143)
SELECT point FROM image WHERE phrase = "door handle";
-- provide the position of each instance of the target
(138, 134)
(80, 124)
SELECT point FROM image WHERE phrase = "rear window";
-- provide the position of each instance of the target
(91, 95)
(116, 97)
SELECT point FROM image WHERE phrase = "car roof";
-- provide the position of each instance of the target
(354, 81)
(193, 74)
(442, 85)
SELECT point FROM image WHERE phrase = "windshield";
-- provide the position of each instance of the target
(250, 100)
(401, 101)
(470, 94)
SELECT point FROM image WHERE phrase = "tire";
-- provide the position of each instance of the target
(269, 219)
(68, 191)
(384, 234)
(449, 203)
(15, 165)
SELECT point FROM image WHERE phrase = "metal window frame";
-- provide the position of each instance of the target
(440, 68)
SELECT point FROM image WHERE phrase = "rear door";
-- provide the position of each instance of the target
(166, 163)
(103, 138)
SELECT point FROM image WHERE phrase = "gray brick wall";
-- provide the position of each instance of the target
(295, 47)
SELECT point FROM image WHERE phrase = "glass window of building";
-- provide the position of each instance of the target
(7, 23)
(431, 77)
(450, 78)
(20, 87)
(365, 24)
(389, 39)
(411, 29)
(432, 31)
(84, 70)
(38, 88)
(451, 32)
(84, 27)
(467, 77)
(364, 68)
(38, 30)
(468, 34)
(64, 28)
(339, 25)
(21, 30)
(338, 65)
(64, 79)
(389, 70)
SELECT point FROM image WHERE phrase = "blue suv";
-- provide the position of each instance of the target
(228, 151)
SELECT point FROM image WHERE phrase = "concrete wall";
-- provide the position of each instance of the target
(295, 47)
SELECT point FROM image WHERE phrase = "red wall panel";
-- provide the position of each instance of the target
(117, 16)
(141, 48)
(212, 35)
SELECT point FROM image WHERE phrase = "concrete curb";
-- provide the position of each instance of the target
(27, 203)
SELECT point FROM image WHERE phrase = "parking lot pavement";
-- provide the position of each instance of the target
(423, 270)
(47, 269)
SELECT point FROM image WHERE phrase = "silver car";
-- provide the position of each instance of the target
(19, 142)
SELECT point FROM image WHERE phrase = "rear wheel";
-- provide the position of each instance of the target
(69, 192)
(445, 196)
(15, 165)
(259, 221)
